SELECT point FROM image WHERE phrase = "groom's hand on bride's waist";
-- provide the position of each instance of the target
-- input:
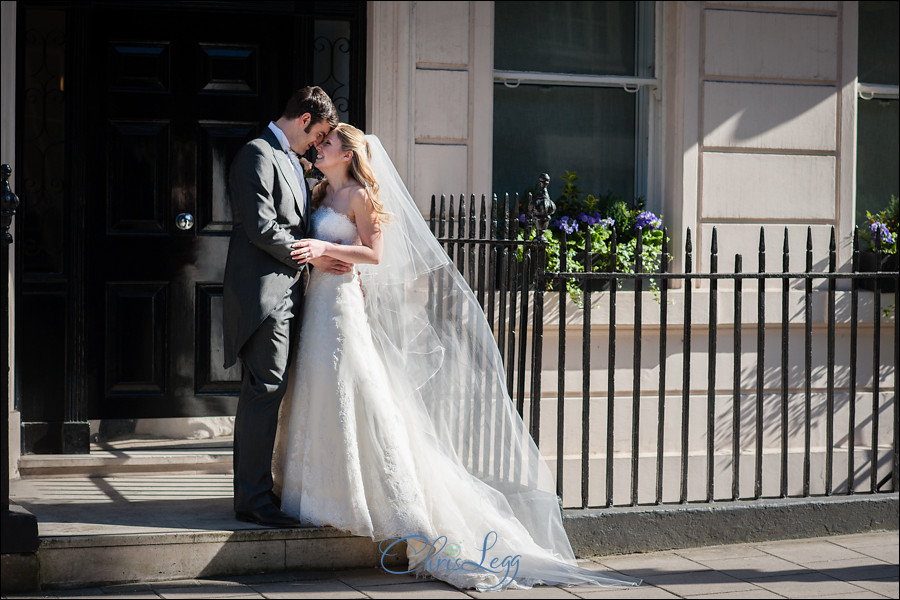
(331, 265)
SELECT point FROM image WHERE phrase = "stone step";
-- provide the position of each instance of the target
(134, 456)
(113, 462)
(81, 561)
(155, 526)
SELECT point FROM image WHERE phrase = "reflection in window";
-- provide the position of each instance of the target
(877, 155)
(595, 38)
(878, 43)
(877, 138)
(553, 129)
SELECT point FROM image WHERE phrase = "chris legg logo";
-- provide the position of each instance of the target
(439, 554)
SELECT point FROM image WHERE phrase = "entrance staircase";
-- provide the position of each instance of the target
(148, 510)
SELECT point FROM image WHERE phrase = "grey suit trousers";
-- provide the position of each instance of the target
(265, 358)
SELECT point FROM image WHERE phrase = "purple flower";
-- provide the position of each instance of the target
(882, 232)
(596, 219)
(647, 219)
(566, 224)
(522, 218)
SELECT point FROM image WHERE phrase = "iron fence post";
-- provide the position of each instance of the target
(540, 208)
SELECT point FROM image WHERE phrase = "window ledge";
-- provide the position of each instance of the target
(630, 84)
(882, 91)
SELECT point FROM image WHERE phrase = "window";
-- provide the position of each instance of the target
(877, 139)
(573, 84)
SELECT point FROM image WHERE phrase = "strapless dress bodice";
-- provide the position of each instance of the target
(332, 226)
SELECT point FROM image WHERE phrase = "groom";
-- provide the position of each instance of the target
(263, 288)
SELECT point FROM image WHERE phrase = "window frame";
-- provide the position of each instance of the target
(648, 113)
(877, 91)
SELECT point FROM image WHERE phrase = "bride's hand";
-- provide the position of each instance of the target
(308, 249)
(331, 265)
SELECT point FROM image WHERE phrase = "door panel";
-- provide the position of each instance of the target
(139, 67)
(230, 68)
(137, 177)
(212, 377)
(136, 354)
(218, 143)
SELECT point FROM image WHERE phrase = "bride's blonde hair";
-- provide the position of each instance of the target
(354, 140)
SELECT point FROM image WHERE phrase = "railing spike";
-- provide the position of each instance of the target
(431, 214)
(689, 253)
(495, 218)
(482, 217)
(762, 250)
(505, 227)
(809, 249)
(442, 219)
(785, 256)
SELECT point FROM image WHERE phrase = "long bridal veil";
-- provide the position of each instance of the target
(439, 348)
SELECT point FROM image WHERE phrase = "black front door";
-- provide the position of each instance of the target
(176, 96)
(132, 113)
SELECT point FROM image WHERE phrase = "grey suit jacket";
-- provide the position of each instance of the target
(265, 203)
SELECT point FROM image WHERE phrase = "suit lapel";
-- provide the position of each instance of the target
(308, 200)
(287, 170)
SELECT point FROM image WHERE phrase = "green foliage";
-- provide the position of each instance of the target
(588, 222)
(881, 229)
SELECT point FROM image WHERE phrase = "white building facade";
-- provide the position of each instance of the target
(736, 115)
(751, 116)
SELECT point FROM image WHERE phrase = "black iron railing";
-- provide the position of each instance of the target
(769, 420)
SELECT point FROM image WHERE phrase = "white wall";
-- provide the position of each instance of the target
(769, 102)
(430, 97)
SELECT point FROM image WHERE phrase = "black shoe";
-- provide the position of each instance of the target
(268, 516)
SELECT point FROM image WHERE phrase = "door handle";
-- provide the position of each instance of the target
(184, 221)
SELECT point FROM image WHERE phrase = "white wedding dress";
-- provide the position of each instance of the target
(386, 430)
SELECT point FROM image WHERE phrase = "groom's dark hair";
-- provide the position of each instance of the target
(312, 100)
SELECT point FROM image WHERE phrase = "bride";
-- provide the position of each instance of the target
(397, 424)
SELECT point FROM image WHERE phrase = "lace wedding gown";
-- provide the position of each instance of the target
(355, 453)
